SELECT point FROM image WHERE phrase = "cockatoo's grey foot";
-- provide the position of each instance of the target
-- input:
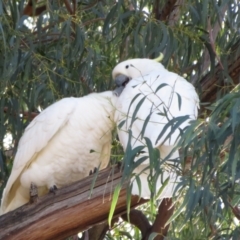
(33, 192)
(93, 171)
(53, 189)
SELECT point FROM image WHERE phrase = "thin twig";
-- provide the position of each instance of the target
(25, 115)
(93, 20)
(212, 38)
(211, 225)
(90, 5)
(235, 210)
(68, 7)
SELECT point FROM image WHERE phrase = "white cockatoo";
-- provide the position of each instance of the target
(60, 146)
(151, 99)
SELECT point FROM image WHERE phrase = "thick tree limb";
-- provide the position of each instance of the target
(211, 83)
(71, 210)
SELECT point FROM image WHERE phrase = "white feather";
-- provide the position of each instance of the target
(146, 77)
(55, 148)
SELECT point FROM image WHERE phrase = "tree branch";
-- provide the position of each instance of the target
(68, 7)
(29, 9)
(213, 32)
(99, 231)
(25, 115)
(162, 14)
(70, 210)
(165, 211)
(138, 219)
(211, 83)
(175, 12)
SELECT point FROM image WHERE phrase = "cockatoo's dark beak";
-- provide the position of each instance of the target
(121, 81)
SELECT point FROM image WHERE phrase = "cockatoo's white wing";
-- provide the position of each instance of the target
(55, 148)
(147, 106)
(41, 130)
(36, 136)
(150, 102)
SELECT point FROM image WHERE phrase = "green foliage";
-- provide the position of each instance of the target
(56, 55)
(212, 182)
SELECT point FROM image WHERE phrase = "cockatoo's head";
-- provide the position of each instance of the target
(133, 68)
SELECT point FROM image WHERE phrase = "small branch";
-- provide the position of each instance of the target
(213, 32)
(68, 7)
(30, 11)
(235, 210)
(211, 225)
(99, 231)
(212, 38)
(90, 5)
(212, 82)
(74, 7)
(138, 219)
(84, 82)
(165, 211)
(93, 20)
(189, 69)
(163, 14)
(25, 115)
(175, 13)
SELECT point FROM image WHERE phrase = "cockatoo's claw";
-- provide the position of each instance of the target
(93, 171)
(53, 189)
(33, 192)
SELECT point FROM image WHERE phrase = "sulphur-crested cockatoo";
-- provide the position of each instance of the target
(151, 99)
(60, 146)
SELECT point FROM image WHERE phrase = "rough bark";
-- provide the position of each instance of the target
(70, 210)
(159, 226)
(162, 13)
(29, 9)
(165, 211)
(215, 81)
(138, 219)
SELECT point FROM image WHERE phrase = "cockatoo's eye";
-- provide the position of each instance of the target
(127, 66)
